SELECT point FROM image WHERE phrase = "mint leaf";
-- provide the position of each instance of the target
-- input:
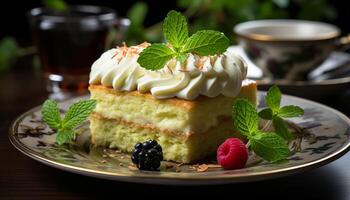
(155, 56)
(245, 117)
(281, 128)
(269, 146)
(77, 113)
(51, 114)
(181, 58)
(266, 113)
(290, 111)
(206, 42)
(273, 98)
(276, 113)
(175, 29)
(64, 136)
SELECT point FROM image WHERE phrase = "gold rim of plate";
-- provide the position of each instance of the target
(267, 38)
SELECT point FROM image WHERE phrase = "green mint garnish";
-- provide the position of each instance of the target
(64, 136)
(245, 117)
(281, 128)
(155, 56)
(76, 114)
(175, 30)
(206, 42)
(182, 57)
(51, 114)
(268, 145)
(273, 98)
(271, 146)
(266, 113)
(290, 111)
(276, 113)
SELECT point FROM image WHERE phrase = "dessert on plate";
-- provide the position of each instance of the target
(179, 94)
(186, 108)
(179, 101)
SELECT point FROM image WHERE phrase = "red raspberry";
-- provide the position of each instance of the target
(232, 154)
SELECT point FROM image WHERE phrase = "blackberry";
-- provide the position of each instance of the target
(147, 155)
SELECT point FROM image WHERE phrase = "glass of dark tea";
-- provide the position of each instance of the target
(69, 41)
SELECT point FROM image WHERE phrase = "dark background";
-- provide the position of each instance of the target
(21, 88)
(13, 14)
(14, 21)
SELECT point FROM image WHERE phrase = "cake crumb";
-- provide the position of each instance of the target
(180, 164)
(132, 167)
(192, 167)
(168, 166)
(182, 70)
(202, 168)
(178, 169)
(214, 166)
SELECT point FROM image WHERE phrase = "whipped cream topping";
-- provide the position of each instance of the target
(198, 75)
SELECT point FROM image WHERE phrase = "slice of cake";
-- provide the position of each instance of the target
(185, 106)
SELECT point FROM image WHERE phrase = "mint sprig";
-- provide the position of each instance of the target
(206, 42)
(175, 30)
(156, 56)
(64, 136)
(245, 117)
(268, 145)
(75, 115)
(276, 113)
(51, 114)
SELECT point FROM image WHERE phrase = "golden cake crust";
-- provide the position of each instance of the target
(183, 103)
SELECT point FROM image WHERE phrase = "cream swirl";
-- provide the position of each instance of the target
(198, 75)
(118, 68)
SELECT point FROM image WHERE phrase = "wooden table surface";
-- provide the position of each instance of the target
(24, 178)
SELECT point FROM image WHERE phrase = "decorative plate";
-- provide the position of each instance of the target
(324, 137)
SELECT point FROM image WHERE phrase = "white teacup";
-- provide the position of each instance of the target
(288, 49)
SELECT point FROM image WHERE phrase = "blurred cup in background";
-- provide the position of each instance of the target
(288, 49)
(68, 42)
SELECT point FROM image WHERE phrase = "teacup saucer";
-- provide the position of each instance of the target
(330, 78)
